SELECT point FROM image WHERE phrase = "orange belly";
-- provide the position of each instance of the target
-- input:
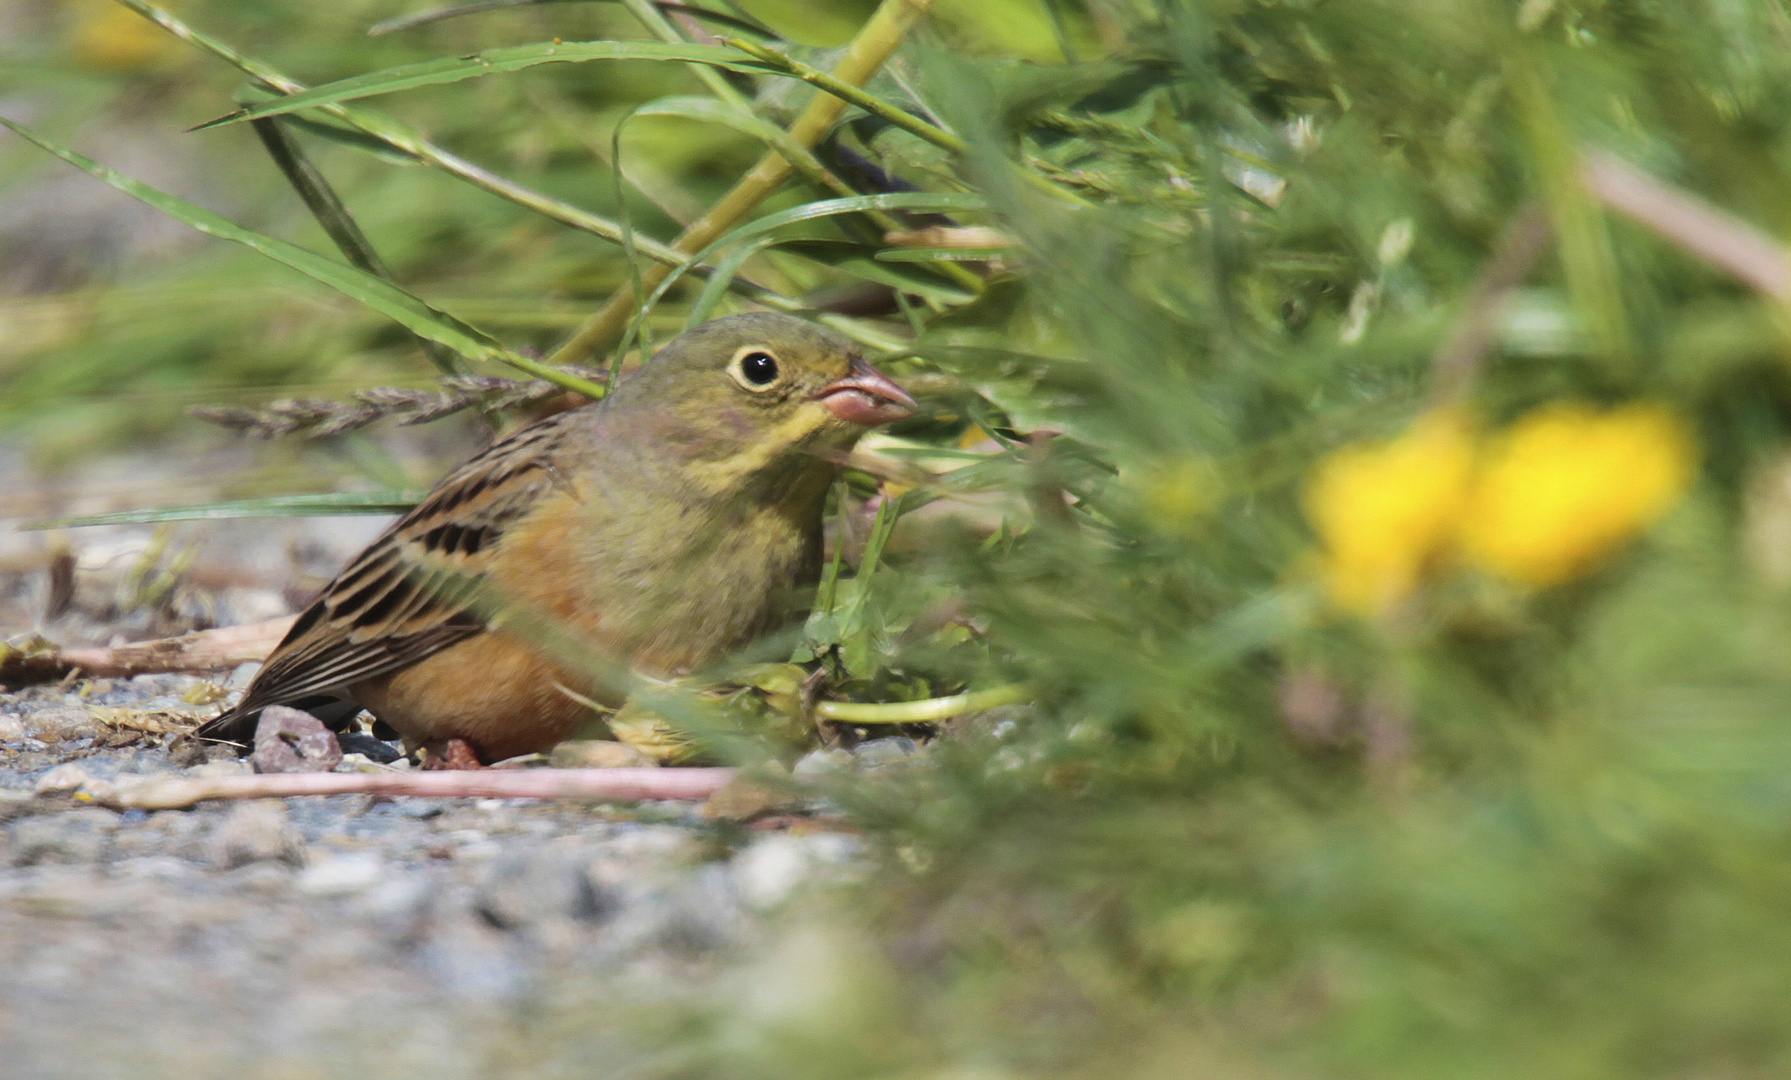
(490, 690)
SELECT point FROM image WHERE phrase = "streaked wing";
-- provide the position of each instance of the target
(408, 595)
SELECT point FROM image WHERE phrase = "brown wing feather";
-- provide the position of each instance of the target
(405, 597)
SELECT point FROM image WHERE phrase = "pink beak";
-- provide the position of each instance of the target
(866, 396)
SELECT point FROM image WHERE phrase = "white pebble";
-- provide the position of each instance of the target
(64, 777)
(820, 763)
(340, 875)
(770, 871)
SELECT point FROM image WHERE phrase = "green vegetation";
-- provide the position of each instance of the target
(1381, 484)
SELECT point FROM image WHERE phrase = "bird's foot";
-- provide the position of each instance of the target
(450, 754)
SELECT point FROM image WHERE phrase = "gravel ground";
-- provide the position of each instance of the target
(323, 937)
(338, 935)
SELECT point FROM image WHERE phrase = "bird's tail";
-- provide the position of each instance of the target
(237, 725)
(234, 726)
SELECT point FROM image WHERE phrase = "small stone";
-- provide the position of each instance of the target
(12, 729)
(400, 906)
(884, 753)
(65, 777)
(75, 836)
(340, 875)
(291, 740)
(356, 742)
(184, 752)
(744, 798)
(818, 763)
(223, 767)
(261, 878)
(242, 675)
(151, 868)
(771, 871)
(599, 754)
(61, 724)
(256, 831)
(361, 763)
(538, 885)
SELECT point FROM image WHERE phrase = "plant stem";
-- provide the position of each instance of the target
(867, 52)
(854, 95)
(921, 712)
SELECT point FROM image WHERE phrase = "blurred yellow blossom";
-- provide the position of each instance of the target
(1565, 485)
(1385, 512)
(1176, 494)
(1538, 503)
(105, 35)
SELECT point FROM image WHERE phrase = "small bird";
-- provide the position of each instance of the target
(671, 523)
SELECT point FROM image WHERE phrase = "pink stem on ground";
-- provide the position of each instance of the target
(618, 785)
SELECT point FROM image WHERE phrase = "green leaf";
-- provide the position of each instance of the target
(330, 504)
(710, 111)
(756, 233)
(900, 255)
(382, 296)
(863, 261)
(492, 62)
(332, 214)
(406, 22)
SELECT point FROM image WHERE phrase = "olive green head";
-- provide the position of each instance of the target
(749, 392)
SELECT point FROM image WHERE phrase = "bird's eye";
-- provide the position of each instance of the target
(755, 369)
(758, 367)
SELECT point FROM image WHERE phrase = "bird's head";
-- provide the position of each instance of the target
(761, 393)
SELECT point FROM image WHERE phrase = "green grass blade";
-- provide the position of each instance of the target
(855, 95)
(328, 504)
(401, 140)
(382, 296)
(490, 62)
(710, 110)
(921, 255)
(861, 261)
(422, 18)
(752, 231)
(332, 214)
(922, 201)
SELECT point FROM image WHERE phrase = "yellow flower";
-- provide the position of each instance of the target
(1385, 512)
(1565, 485)
(105, 35)
(1176, 494)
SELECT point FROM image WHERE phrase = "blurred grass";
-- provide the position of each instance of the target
(1478, 827)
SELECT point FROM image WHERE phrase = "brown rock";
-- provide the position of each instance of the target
(292, 740)
(747, 797)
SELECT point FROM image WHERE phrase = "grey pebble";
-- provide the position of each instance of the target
(63, 723)
(538, 884)
(341, 875)
(822, 762)
(882, 753)
(775, 868)
(73, 836)
(259, 830)
(260, 878)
